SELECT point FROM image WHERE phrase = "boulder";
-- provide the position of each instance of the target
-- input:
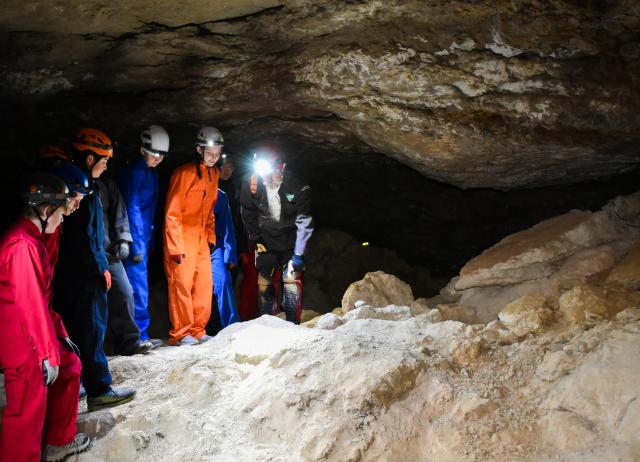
(626, 274)
(526, 315)
(587, 301)
(534, 253)
(308, 315)
(377, 289)
(455, 312)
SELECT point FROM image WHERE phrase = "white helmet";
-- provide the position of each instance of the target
(155, 141)
(209, 136)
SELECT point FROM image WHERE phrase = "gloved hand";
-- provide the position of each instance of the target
(260, 247)
(107, 279)
(298, 262)
(50, 372)
(177, 258)
(121, 251)
(137, 258)
(69, 345)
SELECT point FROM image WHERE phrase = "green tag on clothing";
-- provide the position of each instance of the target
(290, 197)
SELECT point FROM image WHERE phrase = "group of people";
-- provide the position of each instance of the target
(64, 288)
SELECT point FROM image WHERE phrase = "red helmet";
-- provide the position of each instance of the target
(92, 139)
(52, 151)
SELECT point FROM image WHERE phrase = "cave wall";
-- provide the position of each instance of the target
(496, 94)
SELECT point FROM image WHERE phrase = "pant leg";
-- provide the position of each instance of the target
(123, 331)
(248, 299)
(138, 278)
(292, 300)
(86, 322)
(62, 401)
(180, 278)
(23, 417)
(266, 265)
(202, 292)
(223, 289)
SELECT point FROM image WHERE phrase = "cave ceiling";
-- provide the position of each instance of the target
(498, 94)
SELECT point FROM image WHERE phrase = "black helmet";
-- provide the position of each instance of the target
(45, 188)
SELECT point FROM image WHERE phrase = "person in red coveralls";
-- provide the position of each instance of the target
(41, 365)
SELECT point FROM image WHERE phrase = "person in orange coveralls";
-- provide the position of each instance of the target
(40, 362)
(189, 239)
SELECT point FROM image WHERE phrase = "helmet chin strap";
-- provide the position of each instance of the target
(44, 222)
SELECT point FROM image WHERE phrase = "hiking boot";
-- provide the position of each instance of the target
(204, 338)
(143, 347)
(79, 444)
(188, 340)
(111, 398)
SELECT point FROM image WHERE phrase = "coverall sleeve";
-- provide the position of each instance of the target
(58, 325)
(94, 234)
(131, 193)
(249, 211)
(304, 220)
(178, 187)
(31, 295)
(119, 217)
(211, 220)
(225, 220)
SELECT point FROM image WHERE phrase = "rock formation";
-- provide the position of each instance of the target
(581, 262)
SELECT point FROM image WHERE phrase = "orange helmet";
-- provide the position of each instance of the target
(92, 139)
(52, 151)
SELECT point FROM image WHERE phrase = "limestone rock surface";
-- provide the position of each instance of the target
(526, 315)
(371, 389)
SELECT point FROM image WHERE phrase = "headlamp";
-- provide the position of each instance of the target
(263, 167)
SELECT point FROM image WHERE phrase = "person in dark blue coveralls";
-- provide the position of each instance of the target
(138, 183)
(223, 258)
(82, 278)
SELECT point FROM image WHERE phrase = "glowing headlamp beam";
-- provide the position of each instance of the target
(263, 167)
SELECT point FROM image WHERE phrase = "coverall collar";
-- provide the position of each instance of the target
(30, 227)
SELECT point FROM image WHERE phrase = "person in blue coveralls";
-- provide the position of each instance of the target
(223, 258)
(138, 183)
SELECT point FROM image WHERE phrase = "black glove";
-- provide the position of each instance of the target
(212, 247)
(121, 252)
(137, 258)
(69, 345)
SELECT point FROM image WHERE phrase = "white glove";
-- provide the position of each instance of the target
(50, 373)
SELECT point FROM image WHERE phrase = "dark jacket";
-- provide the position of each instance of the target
(293, 230)
(115, 218)
(82, 251)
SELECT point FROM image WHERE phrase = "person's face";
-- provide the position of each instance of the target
(55, 219)
(152, 161)
(276, 176)
(210, 154)
(226, 171)
(97, 165)
(74, 204)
